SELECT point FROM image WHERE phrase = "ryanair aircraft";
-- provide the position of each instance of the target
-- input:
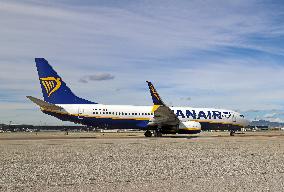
(60, 102)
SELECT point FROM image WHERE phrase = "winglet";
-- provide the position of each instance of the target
(155, 96)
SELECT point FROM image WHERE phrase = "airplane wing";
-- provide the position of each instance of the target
(43, 104)
(163, 115)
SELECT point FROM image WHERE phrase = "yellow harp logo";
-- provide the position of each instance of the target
(51, 84)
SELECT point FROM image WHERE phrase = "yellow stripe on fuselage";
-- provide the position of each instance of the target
(191, 129)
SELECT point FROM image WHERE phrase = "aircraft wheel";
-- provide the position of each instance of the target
(158, 133)
(148, 133)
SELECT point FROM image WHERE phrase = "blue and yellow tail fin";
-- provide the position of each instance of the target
(54, 89)
(155, 96)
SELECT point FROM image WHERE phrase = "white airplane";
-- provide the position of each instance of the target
(59, 101)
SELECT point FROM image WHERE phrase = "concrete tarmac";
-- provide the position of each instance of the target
(253, 161)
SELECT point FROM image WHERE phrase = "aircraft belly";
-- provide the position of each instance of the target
(218, 126)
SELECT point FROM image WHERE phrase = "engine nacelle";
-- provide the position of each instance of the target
(189, 127)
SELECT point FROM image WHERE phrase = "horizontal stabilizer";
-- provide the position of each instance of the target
(43, 104)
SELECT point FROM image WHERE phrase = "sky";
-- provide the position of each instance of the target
(203, 53)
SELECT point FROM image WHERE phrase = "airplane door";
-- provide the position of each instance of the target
(234, 118)
(80, 113)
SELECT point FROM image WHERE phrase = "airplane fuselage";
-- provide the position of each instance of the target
(138, 117)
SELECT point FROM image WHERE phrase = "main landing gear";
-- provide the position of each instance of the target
(157, 133)
(148, 133)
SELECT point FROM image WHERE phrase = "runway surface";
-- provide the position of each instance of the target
(129, 162)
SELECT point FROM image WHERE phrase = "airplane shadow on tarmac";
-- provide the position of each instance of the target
(176, 137)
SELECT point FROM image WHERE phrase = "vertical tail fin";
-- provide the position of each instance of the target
(54, 89)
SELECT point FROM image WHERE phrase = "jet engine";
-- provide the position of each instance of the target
(189, 127)
(186, 127)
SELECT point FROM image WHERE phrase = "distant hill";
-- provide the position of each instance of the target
(266, 123)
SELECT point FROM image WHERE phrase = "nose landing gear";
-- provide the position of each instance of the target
(232, 132)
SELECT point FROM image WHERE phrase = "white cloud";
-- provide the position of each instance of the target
(96, 77)
(170, 43)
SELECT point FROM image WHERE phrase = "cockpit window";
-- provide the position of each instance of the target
(242, 116)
